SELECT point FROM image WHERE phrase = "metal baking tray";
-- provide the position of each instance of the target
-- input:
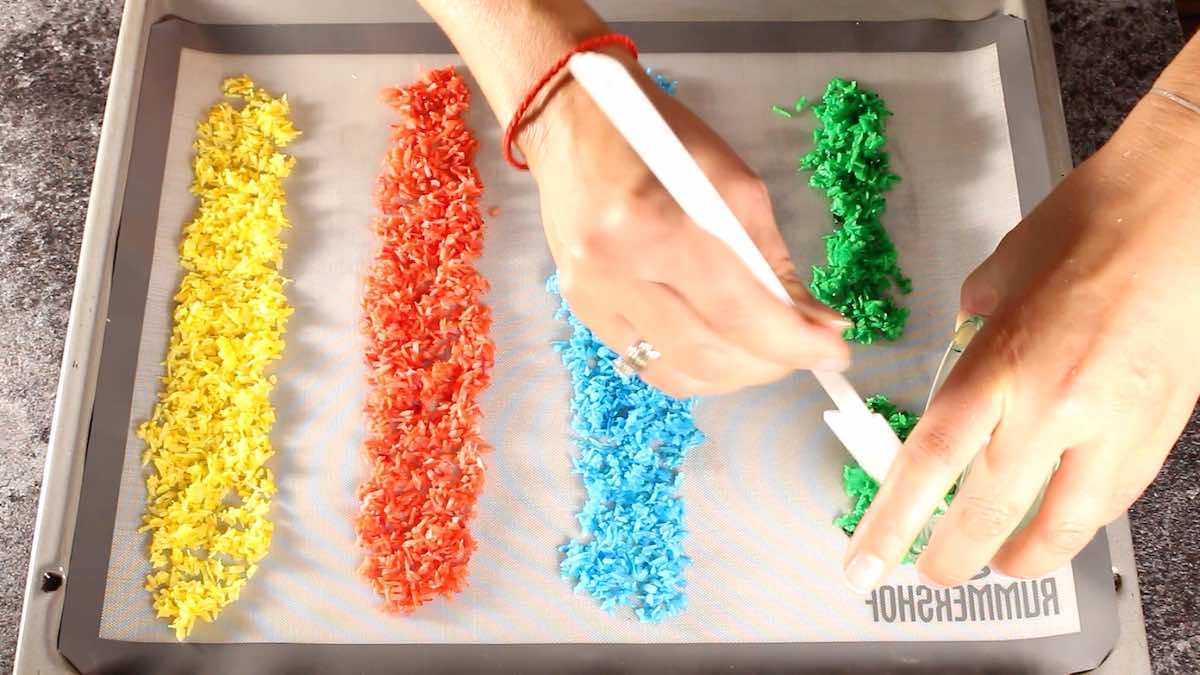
(63, 626)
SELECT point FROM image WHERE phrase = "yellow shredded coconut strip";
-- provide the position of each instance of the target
(208, 486)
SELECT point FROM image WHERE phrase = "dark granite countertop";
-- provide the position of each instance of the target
(55, 57)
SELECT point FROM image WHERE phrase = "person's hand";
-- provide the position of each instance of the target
(1088, 354)
(633, 267)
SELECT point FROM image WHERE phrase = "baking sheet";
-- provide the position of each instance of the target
(760, 494)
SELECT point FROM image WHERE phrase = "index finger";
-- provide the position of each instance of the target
(739, 307)
(956, 427)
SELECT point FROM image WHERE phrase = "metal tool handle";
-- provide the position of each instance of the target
(962, 339)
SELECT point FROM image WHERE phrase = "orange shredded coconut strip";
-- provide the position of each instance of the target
(428, 352)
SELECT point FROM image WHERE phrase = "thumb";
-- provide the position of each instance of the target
(752, 204)
(1007, 272)
(982, 291)
(770, 242)
(797, 289)
(781, 265)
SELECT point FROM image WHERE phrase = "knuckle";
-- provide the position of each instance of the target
(607, 232)
(568, 283)
(1076, 388)
(578, 254)
(1012, 345)
(728, 314)
(1126, 493)
(1124, 497)
(1075, 407)
(596, 243)
(750, 192)
(933, 446)
(673, 387)
(978, 293)
(1088, 389)
(708, 363)
(571, 290)
(617, 217)
(986, 519)
(636, 237)
(1066, 538)
(974, 281)
(945, 578)
(1145, 382)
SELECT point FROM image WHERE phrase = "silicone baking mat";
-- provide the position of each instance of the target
(760, 494)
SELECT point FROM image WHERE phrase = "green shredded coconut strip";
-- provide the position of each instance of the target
(781, 111)
(901, 422)
(848, 163)
(861, 488)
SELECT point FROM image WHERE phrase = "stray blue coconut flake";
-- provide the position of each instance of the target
(632, 440)
(665, 83)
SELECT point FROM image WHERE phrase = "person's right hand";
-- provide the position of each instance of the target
(1086, 362)
(632, 266)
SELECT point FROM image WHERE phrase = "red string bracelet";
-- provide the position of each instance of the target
(588, 45)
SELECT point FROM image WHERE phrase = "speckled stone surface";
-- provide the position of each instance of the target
(1109, 52)
(55, 56)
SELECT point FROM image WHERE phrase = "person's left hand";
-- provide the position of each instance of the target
(1088, 355)
(633, 266)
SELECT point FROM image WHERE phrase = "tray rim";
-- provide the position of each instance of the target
(62, 481)
(70, 422)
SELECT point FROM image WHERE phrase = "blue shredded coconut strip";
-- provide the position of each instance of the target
(632, 439)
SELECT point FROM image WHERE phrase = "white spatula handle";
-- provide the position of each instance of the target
(632, 113)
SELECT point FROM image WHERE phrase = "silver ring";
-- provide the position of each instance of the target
(635, 359)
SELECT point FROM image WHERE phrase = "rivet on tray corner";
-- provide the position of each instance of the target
(52, 581)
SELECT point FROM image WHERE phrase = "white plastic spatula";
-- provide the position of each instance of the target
(865, 434)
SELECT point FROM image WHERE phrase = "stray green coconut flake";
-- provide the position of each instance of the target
(861, 488)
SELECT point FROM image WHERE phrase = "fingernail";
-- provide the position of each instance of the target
(1001, 574)
(864, 572)
(821, 314)
(926, 581)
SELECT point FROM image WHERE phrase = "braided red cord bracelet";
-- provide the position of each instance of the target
(588, 45)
